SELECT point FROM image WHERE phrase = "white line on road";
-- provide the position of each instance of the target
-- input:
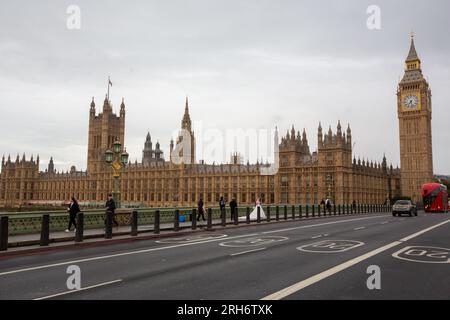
(249, 251)
(325, 274)
(316, 237)
(321, 224)
(173, 246)
(360, 228)
(121, 254)
(384, 222)
(82, 289)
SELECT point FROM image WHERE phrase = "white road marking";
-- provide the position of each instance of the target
(325, 274)
(119, 255)
(435, 253)
(316, 237)
(331, 246)
(360, 228)
(249, 251)
(173, 246)
(423, 231)
(384, 222)
(322, 224)
(82, 289)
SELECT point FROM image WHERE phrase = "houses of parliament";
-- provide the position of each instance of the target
(303, 176)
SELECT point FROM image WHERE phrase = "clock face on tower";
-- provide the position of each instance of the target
(411, 102)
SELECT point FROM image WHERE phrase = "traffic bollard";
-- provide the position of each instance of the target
(134, 223)
(268, 213)
(108, 227)
(247, 216)
(293, 212)
(3, 233)
(209, 218)
(156, 228)
(194, 219)
(277, 213)
(176, 220)
(224, 217)
(258, 214)
(45, 230)
(80, 227)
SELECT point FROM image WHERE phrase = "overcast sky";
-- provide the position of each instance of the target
(252, 64)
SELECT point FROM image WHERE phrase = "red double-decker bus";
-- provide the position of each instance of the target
(435, 197)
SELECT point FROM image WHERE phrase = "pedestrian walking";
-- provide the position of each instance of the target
(222, 204)
(73, 209)
(328, 204)
(111, 207)
(201, 210)
(233, 207)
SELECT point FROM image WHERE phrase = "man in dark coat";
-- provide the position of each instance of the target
(222, 203)
(233, 207)
(201, 211)
(111, 207)
(74, 208)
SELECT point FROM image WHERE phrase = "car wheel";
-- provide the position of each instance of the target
(393, 214)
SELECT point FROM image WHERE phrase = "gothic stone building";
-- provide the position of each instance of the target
(303, 177)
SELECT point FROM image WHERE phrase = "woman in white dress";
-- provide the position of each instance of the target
(254, 213)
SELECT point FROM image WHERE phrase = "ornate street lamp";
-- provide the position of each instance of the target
(117, 160)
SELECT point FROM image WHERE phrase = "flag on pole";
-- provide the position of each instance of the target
(110, 83)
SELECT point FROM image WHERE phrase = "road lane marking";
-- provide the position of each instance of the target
(327, 273)
(414, 235)
(316, 237)
(253, 241)
(249, 251)
(82, 289)
(174, 246)
(322, 224)
(330, 246)
(384, 222)
(423, 254)
(360, 228)
(119, 255)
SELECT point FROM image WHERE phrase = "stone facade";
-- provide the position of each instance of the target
(414, 114)
(303, 177)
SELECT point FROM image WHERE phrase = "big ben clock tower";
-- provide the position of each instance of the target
(414, 114)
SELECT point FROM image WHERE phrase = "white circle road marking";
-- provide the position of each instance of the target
(330, 246)
(423, 254)
(253, 241)
(192, 238)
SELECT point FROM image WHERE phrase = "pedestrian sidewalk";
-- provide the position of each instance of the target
(29, 244)
(61, 236)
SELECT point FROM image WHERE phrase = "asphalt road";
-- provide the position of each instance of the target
(314, 259)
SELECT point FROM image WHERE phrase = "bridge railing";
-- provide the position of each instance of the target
(167, 219)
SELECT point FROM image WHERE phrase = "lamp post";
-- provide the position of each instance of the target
(117, 160)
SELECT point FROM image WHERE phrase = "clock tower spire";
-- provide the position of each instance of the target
(414, 114)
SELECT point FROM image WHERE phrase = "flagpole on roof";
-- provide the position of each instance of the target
(109, 84)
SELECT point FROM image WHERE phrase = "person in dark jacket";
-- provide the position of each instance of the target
(233, 207)
(222, 203)
(201, 210)
(73, 209)
(111, 207)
